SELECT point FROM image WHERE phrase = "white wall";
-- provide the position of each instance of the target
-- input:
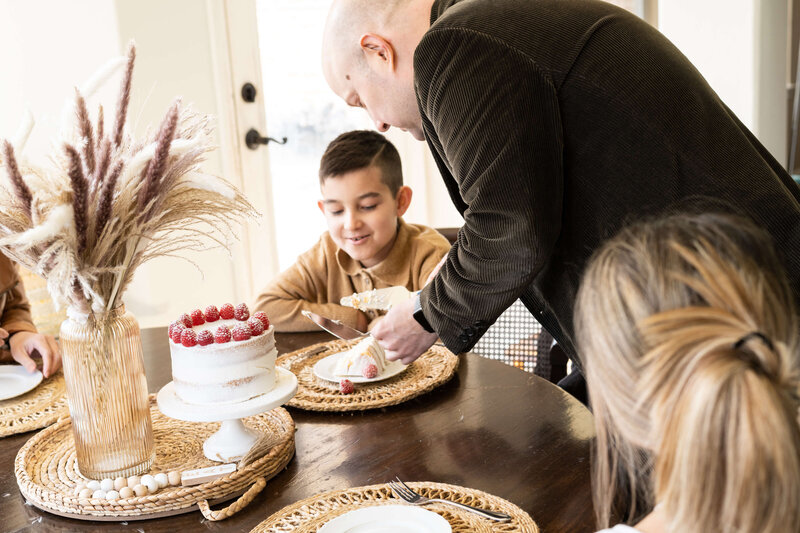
(740, 48)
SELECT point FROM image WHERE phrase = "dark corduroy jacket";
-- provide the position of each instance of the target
(553, 124)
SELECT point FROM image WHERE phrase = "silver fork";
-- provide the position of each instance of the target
(409, 495)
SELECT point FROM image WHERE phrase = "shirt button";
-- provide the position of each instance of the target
(469, 331)
(463, 338)
(367, 282)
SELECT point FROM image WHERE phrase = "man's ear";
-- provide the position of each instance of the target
(378, 52)
(403, 200)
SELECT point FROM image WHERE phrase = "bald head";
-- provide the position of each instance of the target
(368, 54)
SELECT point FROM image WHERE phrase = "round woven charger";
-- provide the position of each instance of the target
(312, 513)
(433, 368)
(47, 470)
(35, 409)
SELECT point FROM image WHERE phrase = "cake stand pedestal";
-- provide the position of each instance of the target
(233, 440)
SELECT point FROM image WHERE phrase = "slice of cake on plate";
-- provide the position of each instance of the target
(367, 359)
(222, 355)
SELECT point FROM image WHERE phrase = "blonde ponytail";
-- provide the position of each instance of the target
(700, 370)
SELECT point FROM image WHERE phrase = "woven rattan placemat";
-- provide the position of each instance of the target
(36, 408)
(312, 513)
(433, 368)
(47, 470)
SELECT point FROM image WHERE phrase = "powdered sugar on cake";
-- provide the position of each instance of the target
(229, 356)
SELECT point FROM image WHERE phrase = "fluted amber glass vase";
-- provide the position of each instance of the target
(107, 394)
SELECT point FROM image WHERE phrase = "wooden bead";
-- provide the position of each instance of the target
(119, 483)
(107, 484)
(85, 493)
(162, 480)
(133, 481)
(151, 484)
(174, 478)
(93, 484)
(126, 492)
(145, 479)
(100, 494)
(112, 495)
(79, 487)
(140, 490)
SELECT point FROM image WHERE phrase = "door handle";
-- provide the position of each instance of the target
(253, 138)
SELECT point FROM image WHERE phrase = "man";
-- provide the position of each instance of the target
(553, 124)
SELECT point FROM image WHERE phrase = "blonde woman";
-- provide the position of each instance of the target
(691, 350)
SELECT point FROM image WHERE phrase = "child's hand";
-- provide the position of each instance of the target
(24, 344)
(436, 270)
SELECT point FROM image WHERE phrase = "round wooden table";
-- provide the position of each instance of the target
(492, 427)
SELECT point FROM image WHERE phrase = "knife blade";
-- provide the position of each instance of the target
(334, 327)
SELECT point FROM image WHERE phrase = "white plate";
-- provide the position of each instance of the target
(15, 380)
(388, 519)
(325, 368)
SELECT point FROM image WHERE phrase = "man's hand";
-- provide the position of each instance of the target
(24, 344)
(401, 336)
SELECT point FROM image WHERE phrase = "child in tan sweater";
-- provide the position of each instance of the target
(16, 325)
(367, 245)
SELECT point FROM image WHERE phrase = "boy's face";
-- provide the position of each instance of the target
(361, 213)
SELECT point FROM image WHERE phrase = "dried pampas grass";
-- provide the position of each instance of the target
(111, 203)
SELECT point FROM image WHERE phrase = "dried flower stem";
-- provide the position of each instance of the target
(20, 188)
(87, 136)
(148, 194)
(124, 97)
(106, 196)
(80, 201)
(100, 126)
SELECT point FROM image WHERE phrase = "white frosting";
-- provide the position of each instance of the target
(356, 359)
(229, 372)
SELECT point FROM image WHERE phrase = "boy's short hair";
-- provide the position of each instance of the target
(359, 149)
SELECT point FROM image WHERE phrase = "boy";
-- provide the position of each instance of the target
(16, 326)
(367, 245)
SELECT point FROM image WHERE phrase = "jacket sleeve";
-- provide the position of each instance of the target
(492, 118)
(303, 286)
(16, 314)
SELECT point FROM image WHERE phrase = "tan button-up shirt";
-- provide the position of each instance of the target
(324, 274)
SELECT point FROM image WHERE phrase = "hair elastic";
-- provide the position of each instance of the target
(742, 341)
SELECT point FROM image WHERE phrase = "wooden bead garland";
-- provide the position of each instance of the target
(121, 488)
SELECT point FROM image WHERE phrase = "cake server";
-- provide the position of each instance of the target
(334, 327)
(382, 299)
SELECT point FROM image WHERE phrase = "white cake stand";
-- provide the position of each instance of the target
(233, 440)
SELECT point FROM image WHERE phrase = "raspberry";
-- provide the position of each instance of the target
(186, 320)
(262, 316)
(346, 387)
(226, 311)
(188, 338)
(198, 318)
(256, 327)
(370, 371)
(171, 327)
(212, 313)
(176, 330)
(241, 312)
(241, 332)
(205, 338)
(222, 335)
